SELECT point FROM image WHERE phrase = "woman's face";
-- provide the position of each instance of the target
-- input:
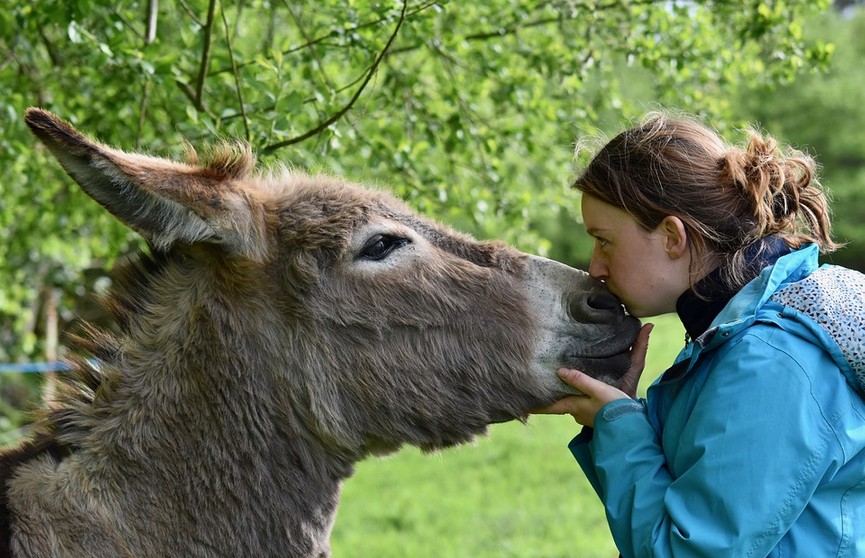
(647, 269)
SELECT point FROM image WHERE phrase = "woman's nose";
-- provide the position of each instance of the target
(597, 269)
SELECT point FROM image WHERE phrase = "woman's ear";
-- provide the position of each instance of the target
(675, 237)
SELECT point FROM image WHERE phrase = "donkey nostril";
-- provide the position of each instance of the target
(595, 307)
(603, 301)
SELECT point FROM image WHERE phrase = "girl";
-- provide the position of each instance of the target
(753, 442)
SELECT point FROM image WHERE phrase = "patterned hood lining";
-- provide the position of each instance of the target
(834, 298)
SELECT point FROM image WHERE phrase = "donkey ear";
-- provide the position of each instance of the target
(163, 200)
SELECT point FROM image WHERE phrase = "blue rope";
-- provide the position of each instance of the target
(33, 367)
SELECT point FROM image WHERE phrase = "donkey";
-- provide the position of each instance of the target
(280, 328)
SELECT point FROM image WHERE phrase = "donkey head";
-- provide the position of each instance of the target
(369, 325)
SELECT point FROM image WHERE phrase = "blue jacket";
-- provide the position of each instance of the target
(755, 445)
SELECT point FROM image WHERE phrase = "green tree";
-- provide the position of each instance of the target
(466, 109)
(823, 113)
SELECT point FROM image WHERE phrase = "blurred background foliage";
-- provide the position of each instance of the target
(468, 110)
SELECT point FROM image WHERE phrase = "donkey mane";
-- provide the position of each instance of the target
(226, 160)
(95, 354)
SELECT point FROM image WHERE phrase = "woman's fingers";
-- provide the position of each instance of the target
(595, 393)
(590, 387)
(566, 406)
(576, 379)
(631, 380)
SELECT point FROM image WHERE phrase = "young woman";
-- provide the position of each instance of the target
(753, 442)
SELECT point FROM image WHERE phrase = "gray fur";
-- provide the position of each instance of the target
(259, 355)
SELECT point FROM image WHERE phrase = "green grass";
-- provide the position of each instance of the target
(516, 493)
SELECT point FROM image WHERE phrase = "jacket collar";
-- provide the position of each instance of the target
(698, 312)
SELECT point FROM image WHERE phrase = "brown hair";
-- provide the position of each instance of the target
(728, 197)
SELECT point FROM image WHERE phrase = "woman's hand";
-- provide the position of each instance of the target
(595, 393)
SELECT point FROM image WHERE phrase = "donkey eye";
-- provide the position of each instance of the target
(379, 246)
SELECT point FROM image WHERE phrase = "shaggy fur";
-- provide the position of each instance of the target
(281, 328)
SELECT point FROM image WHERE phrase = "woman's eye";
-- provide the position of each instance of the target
(601, 242)
(379, 246)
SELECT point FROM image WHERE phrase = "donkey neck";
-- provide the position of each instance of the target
(201, 440)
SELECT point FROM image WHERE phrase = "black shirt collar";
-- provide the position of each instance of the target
(697, 312)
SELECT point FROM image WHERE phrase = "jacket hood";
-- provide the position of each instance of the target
(828, 301)
(832, 302)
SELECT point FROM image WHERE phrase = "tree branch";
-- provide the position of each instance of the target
(313, 51)
(186, 90)
(152, 11)
(128, 23)
(190, 13)
(511, 29)
(465, 108)
(236, 75)
(149, 37)
(339, 114)
(49, 47)
(205, 55)
(142, 112)
(515, 28)
(312, 42)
